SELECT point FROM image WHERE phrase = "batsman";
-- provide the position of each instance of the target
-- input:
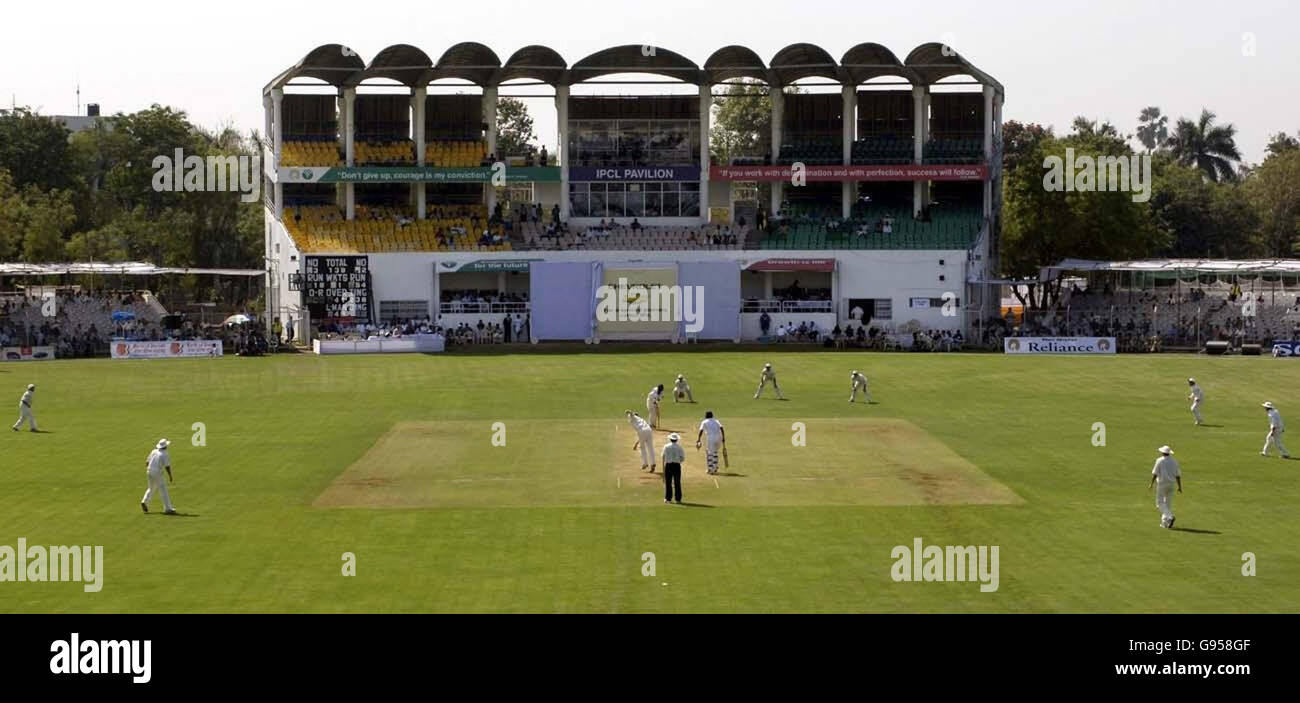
(712, 430)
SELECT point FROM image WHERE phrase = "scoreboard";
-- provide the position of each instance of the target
(337, 287)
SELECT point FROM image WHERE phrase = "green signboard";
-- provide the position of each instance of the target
(417, 174)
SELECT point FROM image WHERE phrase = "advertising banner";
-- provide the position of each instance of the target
(1286, 349)
(1060, 345)
(172, 349)
(910, 172)
(416, 174)
(28, 353)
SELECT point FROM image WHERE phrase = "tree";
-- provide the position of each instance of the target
(1274, 192)
(34, 150)
(1085, 127)
(1281, 143)
(1153, 129)
(1042, 226)
(742, 122)
(515, 135)
(1020, 143)
(1209, 147)
(1200, 218)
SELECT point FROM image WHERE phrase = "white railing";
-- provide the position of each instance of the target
(812, 306)
(459, 308)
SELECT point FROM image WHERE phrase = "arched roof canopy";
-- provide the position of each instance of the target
(934, 62)
(869, 61)
(334, 64)
(537, 62)
(735, 61)
(402, 63)
(634, 58)
(469, 61)
(799, 61)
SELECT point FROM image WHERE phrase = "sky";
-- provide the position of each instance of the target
(1105, 59)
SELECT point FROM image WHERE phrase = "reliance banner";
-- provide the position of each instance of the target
(1060, 345)
(175, 349)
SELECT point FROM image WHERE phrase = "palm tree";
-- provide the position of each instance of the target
(1153, 128)
(1209, 147)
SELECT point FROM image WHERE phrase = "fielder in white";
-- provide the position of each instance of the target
(859, 384)
(1165, 476)
(682, 389)
(645, 440)
(1275, 431)
(652, 404)
(768, 376)
(157, 462)
(1197, 396)
(717, 438)
(25, 410)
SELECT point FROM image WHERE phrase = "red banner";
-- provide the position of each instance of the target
(822, 265)
(912, 172)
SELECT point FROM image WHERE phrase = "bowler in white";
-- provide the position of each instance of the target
(645, 440)
(1166, 476)
(157, 462)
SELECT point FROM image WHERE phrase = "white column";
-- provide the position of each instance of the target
(350, 149)
(419, 103)
(562, 108)
(418, 106)
(767, 285)
(848, 189)
(490, 117)
(920, 132)
(989, 104)
(349, 125)
(706, 108)
(269, 117)
(277, 194)
(490, 101)
(277, 117)
(778, 112)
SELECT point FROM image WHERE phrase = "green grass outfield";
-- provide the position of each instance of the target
(390, 458)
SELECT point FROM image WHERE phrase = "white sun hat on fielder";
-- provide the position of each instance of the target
(1270, 406)
(674, 437)
(1165, 450)
(163, 444)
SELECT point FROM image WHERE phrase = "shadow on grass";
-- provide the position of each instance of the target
(730, 475)
(155, 514)
(695, 505)
(1194, 532)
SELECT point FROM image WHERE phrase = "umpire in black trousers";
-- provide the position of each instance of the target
(673, 457)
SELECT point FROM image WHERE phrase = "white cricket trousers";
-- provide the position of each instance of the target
(652, 410)
(157, 484)
(1196, 412)
(863, 387)
(647, 439)
(763, 384)
(1274, 439)
(25, 415)
(1165, 498)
